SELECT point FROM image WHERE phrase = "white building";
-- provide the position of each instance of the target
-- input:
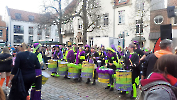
(128, 21)
(23, 27)
(101, 14)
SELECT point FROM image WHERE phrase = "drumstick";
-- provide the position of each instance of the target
(131, 62)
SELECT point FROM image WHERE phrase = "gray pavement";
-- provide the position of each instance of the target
(66, 89)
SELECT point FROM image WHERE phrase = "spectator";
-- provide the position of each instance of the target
(5, 63)
(150, 60)
(162, 83)
(27, 62)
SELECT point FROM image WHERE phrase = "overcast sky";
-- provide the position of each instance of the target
(26, 5)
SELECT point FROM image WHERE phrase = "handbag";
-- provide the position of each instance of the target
(18, 91)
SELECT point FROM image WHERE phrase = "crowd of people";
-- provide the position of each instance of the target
(157, 71)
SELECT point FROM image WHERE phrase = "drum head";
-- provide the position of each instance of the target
(45, 74)
(62, 62)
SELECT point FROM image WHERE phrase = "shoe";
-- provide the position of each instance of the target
(53, 74)
(132, 97)
(123, 93)
(94, 83)
(65, 77)
(108, 87)
(112, 89)
(76, 79)
(56, 75)
(88, 81)
(80, 79)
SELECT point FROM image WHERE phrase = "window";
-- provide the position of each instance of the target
(18, 29)
(121, 1)
(31, 18)
(79, 24)
(39, 31)
(175, 20)
(30, 29)
(56, 33)
(139, 5)
(98, 21)
(47, 31)
(106, 19)
(18, 39)
(158, 19)
(1, 32)
(121, 15)
(139, 26)
(17, 16)
(39, 37)
(30, 39)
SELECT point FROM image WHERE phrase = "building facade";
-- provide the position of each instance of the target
(2, 30)
(24, 26)
(159, 16)
(132, 21)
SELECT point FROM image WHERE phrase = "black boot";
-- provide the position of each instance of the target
(88, 81)
(123, 92)
(112, 89)
(94, 83)
(108, 87)
(66, 77)
(131, 95)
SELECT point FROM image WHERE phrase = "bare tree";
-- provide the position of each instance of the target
(89, 13)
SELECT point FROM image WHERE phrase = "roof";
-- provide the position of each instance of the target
(117, 3)
(69, 8)
(137, 38)
(24, 15)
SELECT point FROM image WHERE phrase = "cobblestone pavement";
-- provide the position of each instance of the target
(66, 89)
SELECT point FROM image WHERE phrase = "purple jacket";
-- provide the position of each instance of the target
(59, 54)
(70, 56)
(77, 58)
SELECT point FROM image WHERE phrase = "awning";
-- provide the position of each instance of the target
(154, 36)
(137, 38)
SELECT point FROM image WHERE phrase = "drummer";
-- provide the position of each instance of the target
(70, 57)
(111, 56)
(102, 55)
(131, 63)
(80, 57)
(93, 59)
(58, 55)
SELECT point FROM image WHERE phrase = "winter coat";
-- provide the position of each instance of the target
(158, 88)
(150, 61)
(5, 62)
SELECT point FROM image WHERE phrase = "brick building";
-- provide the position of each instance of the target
(2, 30)
(159, 17)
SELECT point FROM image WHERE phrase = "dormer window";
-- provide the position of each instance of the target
(31, 18)
(17, 16)
(121, 1)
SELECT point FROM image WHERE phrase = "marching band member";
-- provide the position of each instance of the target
(70, 57)
(93, 59)
(36, 87)
(75, 49)
(131, 63)
(102, 55)
(58, 55)
(111, 56)
(87, 52)
(80, 57)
